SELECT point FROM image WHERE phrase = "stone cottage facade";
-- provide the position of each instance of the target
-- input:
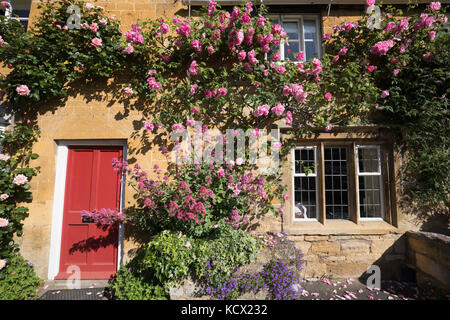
(345, 217)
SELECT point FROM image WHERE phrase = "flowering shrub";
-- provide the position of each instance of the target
(17, 278)
(196, 198)
(14, 187)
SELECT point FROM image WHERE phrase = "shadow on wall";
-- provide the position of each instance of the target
(392, 264)
(437, 223)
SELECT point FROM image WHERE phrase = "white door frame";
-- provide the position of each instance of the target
(62, 151)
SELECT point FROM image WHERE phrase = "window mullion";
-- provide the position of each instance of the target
(321, 184)
(354, 196)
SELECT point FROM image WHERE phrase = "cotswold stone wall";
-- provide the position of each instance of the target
(429, 255)
(341, 256)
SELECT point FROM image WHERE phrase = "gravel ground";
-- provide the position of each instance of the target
(325, 289)
(351, 289)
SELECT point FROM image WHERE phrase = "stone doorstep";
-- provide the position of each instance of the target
(64, 284)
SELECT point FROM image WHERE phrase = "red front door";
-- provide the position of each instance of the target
(91, 183)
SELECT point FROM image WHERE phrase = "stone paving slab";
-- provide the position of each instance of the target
(351, 289)
(74, 294)
(324, 289)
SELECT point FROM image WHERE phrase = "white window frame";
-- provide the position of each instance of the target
(10, 10)
(361, 174)
(300, 19)
(294, 175)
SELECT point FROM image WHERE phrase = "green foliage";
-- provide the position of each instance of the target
(419, 105)
(230, 250)
(129, 284)
(48, 57)
(17, 145)
(168, 257)
(166, 260)
(18, 281)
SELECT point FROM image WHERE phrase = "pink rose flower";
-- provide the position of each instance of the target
(20, 179)
(88, 6)
(287, 91)
(241, 55)
(278, 109)
(370, 68)
(190, 123)
(239, 161)
(23, 90)
(193, 68)
(288, 118)
(197, 46)
(128, 91)
(97, 42)
(276, 56)
(222, 91)
(193, 88)
(435, 6)
(184, 29)
(427, 56)
(326, 36)
(129, 49)
(3, 222)
(328, 96)
(276, 146)
(382, 47)
(94, 27)
(178, 127)
(262, 110)
(343, 51)
(431, 35)
(216, 34)
(103, 21)
(396, 71)
(164, 28)
(149, 126)
(245, 19)
(220, 173)
(4, 196)
(370, 3)
(210, 49)
(329, 127)
(384, 94)
(261, 21)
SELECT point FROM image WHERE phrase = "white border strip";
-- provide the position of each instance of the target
(58, 200)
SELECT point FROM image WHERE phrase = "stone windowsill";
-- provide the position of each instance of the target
(339, 227)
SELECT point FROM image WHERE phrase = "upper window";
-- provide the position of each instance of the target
(303, 33)
(19, 9)
(341, 182)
